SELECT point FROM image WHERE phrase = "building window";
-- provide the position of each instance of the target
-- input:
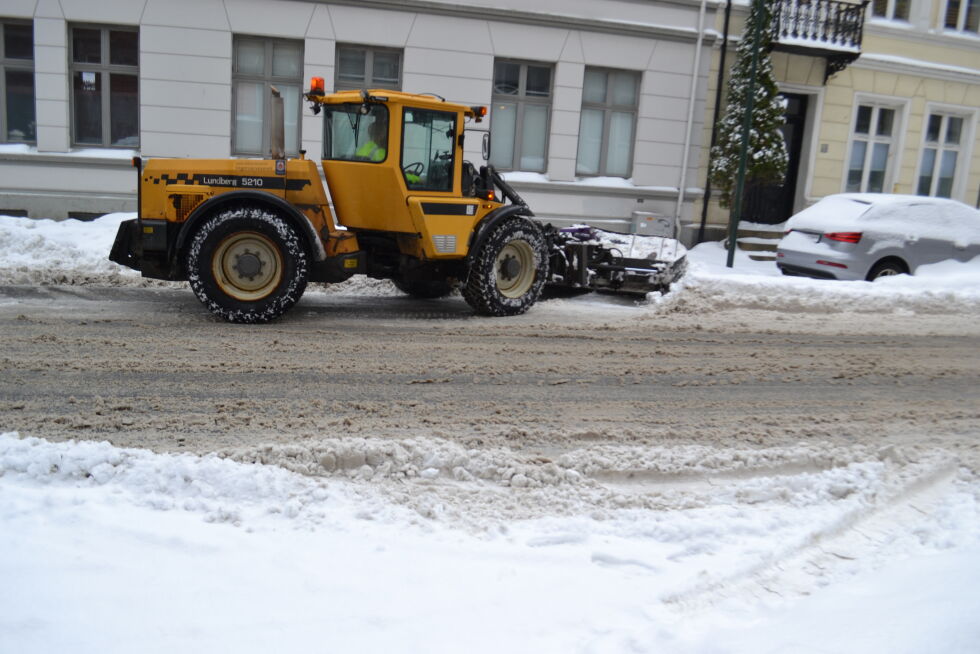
(891, 9)
(105, 86)
(17, 122)
(521, 110)
(258, 65)
(963, 15)
(360, 67)
(608, 122)
(940, 155)
(871, 149)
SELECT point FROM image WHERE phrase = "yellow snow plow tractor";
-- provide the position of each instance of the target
(248, 234)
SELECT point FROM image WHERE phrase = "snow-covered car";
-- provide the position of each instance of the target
(864, 236)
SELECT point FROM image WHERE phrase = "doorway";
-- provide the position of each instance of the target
(772, 204)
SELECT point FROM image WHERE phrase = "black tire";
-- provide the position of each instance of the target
(509, 270)
(239, 284)
(887, 268)
(424, 290)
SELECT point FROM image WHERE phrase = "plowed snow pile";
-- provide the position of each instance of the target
(73, 252)
(212, 555)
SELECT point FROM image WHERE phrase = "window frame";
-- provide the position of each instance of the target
(521, 100)
(890, 6)
(267, 79)
(106, 68)
(331, 110)
(894, 141)
(20, 65)
(962, 13)
(368, 81)
(963, 148)
(452, 163)
(609, 108)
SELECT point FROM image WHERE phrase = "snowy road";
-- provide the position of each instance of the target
(149, 368)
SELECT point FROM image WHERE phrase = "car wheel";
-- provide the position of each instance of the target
(887, 268)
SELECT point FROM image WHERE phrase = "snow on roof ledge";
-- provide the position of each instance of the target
(24, 150)
(585, 183)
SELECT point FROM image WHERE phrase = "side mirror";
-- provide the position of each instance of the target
(486, 146)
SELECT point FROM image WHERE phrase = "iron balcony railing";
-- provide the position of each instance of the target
(822, 24)
(820, 28)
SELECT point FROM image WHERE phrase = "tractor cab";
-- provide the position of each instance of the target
(394, 160)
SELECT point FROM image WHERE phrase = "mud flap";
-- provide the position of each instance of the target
(127, 249)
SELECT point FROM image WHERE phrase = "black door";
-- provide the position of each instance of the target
(773, 203)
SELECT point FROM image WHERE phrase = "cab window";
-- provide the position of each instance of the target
(428, 151)
(350, 135)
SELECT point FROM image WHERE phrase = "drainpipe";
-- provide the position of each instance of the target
(714, 124)
(695, 75)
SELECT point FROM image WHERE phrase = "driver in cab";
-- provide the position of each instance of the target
(376, 148)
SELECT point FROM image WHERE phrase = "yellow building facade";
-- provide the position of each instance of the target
(901, 117)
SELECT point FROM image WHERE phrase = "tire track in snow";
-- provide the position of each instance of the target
(802, 566)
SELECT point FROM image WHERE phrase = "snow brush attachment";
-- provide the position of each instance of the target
(589, 258)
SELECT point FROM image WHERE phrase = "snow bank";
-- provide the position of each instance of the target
(946, 287)
(101, 547)
(74, 252)
(61, 252)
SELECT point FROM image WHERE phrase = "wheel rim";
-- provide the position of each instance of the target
(515, 269)
(247, 266)
(886, 272)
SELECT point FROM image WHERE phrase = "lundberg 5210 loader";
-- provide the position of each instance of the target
(248, 234)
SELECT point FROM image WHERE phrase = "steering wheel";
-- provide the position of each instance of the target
(414, 168)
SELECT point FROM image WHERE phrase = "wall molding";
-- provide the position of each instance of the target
(542, 19)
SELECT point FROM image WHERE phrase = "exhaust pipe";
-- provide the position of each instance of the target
(277, 127)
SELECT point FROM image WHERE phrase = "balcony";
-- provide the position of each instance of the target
(820, 28)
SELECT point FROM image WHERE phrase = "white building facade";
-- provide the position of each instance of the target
(597, 106)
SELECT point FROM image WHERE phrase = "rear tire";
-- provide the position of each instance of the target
(887, 268)
(509, 270)
(424, 290)
(247, 265)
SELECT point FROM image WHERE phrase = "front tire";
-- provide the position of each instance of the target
(247, 265)
(509, 270)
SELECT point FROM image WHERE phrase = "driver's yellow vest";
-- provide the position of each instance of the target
(371, 151)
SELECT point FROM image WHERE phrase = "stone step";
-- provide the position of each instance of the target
(756, 244)
(760, 233)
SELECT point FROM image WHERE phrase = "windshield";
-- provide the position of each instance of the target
(350, 135)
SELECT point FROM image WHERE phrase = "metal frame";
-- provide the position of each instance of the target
(105, 68)
(608, 108)
(521, 99)
(22, 65)
(268, 81)
(368, 81)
